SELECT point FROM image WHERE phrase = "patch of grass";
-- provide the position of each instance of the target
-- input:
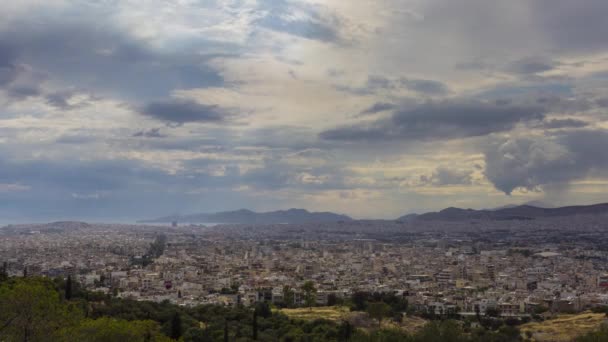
(410, 324)
(413, 324)
(332, 313)
(564, 327)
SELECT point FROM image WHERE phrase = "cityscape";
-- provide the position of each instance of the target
(303, 171)
(519, 269)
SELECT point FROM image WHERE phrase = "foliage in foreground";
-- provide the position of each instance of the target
(36, 309)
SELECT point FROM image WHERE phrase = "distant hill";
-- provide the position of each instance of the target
(251, 217)
(407, 217)
(522, 212)
(538, 204)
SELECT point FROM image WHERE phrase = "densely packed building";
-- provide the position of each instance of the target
(515, 268)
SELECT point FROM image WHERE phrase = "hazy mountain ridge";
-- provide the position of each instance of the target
(248, 216)
(523, 212)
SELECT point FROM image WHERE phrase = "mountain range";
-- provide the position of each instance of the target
(522, 212)
(248, 216)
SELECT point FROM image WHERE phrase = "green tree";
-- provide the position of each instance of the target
(540, 309)
(255, 325)
(176, 326)
(378, 311)
(4, 272)
(332, 299)
(68, 288)
(108, 329)
(288, 296)
(263, 310)
(226, 330)
(359, 300)
(492, 312)
(310, 292)
(345, 331)
(595, 336)
(197, 335)
(32, 310)
(445, 331)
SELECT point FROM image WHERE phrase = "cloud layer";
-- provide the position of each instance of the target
(440, 120)
(123, 109)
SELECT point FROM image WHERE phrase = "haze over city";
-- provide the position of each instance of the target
(122, 110)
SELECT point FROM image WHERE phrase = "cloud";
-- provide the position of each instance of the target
(429, 87)
(60, 99)
(531, 163)
(103, 59)
(301, 20)
(439, 121)
(561, 123)
(531, 65)
(281, 173)
(310, 75)
(24, 91)
(55, 189)
(13, 187)
(8, 69)
(448, 176)
(151, 133)
(303, 28)
(572, 26)
(18, 81)
(76, 139)
(378, 107)
(602, 102)
(180, 111)
(375, 83)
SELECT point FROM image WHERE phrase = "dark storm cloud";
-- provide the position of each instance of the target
(603, 102)
(59, 99)
(179, 111)
(565, 105)
(531, 163)
(23, 91)
(7, 55)
(447, 176)
(438, 121)
(17, 80)
(531, 65)
(93, 57)
(151, 133)
(8, 69)
(542, 93)
(378, 107)
(255, 143)
(561, 123)
(376, 84)
(425, 86)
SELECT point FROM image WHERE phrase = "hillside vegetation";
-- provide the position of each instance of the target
(563, 328)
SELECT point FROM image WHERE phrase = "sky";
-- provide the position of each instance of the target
(122, 109)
